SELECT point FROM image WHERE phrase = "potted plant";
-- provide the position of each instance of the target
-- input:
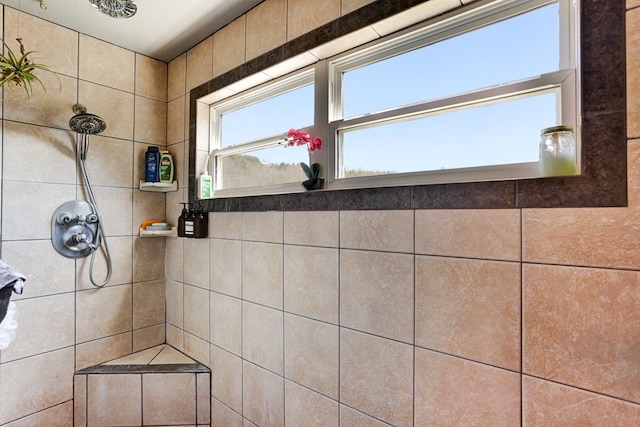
(298, 137)
(19, 70)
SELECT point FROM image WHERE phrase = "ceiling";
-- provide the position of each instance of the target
(160, 29)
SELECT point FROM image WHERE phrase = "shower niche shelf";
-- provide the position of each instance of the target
(163, 187)
(172, 232)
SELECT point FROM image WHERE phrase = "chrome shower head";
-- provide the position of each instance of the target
(86, 123)
(116, 8)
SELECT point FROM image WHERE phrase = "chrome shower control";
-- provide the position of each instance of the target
(64, 218)
(73, 229)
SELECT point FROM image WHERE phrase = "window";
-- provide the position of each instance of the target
(460, 99)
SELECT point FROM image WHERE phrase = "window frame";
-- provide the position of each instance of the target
(328, 73)
(603, 182)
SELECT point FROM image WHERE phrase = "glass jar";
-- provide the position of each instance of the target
(557, 152)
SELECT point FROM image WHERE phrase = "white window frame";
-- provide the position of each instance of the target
(329, 121)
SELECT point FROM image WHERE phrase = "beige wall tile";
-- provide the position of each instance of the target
(262, 396)
(197, 348)
(148, 303)
(174, 256)
(39, 333)
(200, 63)
(203, 398)
(116, 209)
(386, 367)
(149, 337)
(169, 398)
(175, 303)
(489, 234)
(225, 225)
(309, 343)
(351, 418)
(229, 46)
(633, 70)
(226, 382)
(580, 327)
(110, 162)
(57, 416)
(196, 308)
(349, 6)
(549, 404)
(99, 351)
(52, 372)
(453, 391)
(176, 130)
(305, 15)
(262, 336)
(116, 108)
(120, 250)
(177, 77)
(266, 27)
(151, 121)
(262, 273)
(375, 286)
(311, 282)
(148, 258)
(263, 226)
(57, 46)
(151, 78)
(226, 267)
(99, 59)
(114, 305)
(469, 308)
(377, 230)
(587, 237)
(51, 106)
(312, 228)
(47, 272)
(175, 337)
(226, 322)
(196, 262)
(222, 415)
(632, 3)
(80, 400)
(17, 195)
(43, 147)
(303, 407)
(114, 399)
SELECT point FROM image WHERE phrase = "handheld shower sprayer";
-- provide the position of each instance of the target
(76, 227)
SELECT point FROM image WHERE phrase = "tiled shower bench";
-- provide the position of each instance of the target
(155, 387)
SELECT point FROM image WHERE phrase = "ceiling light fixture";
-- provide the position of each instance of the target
(116, 8)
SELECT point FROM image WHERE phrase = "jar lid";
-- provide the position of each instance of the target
(553, 129)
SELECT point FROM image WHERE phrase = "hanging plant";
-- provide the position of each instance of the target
(20, 70)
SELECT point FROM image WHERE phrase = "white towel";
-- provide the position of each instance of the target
(8, 326)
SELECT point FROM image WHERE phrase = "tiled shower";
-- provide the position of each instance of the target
(349, 318)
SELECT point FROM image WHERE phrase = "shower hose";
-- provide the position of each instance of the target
(100, 239)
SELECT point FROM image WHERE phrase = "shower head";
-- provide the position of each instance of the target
(86, 123)
(115, 8)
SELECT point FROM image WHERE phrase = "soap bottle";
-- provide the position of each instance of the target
(151, 164)
(201, 225)
(181, 220)
(189, 223)
(204, 186)
(166, 167)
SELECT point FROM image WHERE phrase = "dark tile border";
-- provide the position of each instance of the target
(173, 368)
(603, 182)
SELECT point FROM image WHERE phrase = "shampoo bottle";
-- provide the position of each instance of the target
(166, 167)
(152, 164)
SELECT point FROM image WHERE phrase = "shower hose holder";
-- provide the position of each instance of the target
(74, 226)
